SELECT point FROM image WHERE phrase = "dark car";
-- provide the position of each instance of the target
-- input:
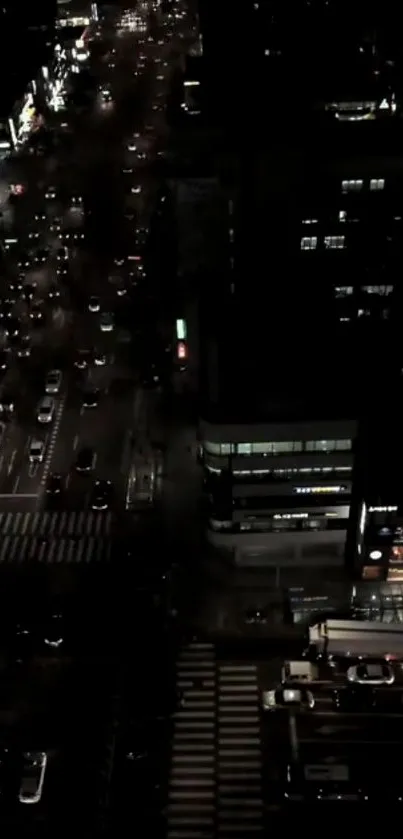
(83, 359)
(12, 327)
(53, 292)
(6, 309)
(24, 261)
(354, 699)
(28, 291)
(90, 398)
(15, 287)
(86, 459)
(3, 360)
(36, 313)
(55, 484)
(54, 630)
(41, 255)
(101, 495)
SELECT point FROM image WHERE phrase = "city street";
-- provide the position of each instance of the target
(88, 205)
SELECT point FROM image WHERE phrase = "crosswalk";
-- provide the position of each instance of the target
(56, 523)
(55, 537)
(216, 766)
(239, 761)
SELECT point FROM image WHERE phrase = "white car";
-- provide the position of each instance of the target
(36, 451)
(33, 776)
(46, 410)
(107, 323)
(287, 697)
(371, 674)
(94, 304)
(53, 381)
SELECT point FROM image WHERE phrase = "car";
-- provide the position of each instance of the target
(53, 381)
(357, 698)
(76, 200)
(53, 292)
(36, 451)
(24, 346)
(6, 309)
(15, 287)
(51, 193)
(136, 190)
(56, 225)
(12, 328)
(90, 398)
(24, 261)
(288, 696)
(107, 322)
(33, 236)
(40, 216)
(54, 631)
(40, 256)
(7, 404)
(99, 358)
(94, 304)
(33, 776)
(101, 495)
(54, 484)
(121, 290)
(83, 359)
(36, 313)
(46, 410)
(3, 360)
(62, 254)
(256, 615)
(371, 674)
(86, 460)
(28, 290)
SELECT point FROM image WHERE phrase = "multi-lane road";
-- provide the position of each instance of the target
(100, 189)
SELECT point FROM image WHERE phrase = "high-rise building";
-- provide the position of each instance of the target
(300, 337)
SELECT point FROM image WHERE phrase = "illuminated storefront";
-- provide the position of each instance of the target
(380, 542)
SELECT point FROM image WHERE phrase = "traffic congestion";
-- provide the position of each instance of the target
(85, 355)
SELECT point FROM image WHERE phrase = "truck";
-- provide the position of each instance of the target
(355, 638)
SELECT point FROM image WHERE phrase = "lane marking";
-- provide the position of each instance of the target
(51, 442)
(16, 484)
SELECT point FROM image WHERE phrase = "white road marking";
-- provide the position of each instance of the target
(51, 442)
(1, 461)
(16, 484)
(75, 443)
(11, 461)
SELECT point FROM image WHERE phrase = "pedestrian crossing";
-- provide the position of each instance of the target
(76, 550)
(56, 524)
(215, 786)
(55, 537)
(239, 760)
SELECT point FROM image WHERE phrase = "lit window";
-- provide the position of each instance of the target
(376, 184)
(309, 243)
(310, 221)
(342, 215)
(327, 445)
(319, 490)
(343, 290)
(382, 290)
(335, 242)
(244, 448)
(352, 185)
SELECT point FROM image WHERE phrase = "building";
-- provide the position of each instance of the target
(301, 329)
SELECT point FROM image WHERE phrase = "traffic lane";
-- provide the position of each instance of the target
(30, 477)
(323, 730)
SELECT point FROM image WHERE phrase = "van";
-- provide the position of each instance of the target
(46, 410)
